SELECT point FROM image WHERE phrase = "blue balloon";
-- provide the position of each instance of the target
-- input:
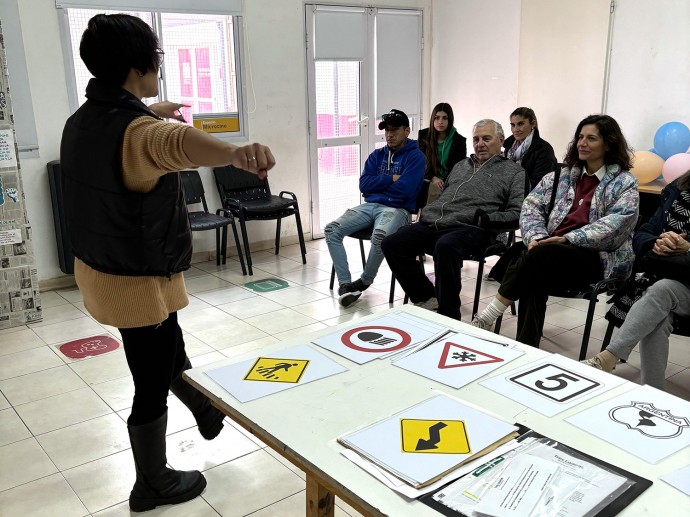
(652, 150)
(671, 138)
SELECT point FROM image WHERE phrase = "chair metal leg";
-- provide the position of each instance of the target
(278, 224)
(607, 336)
(300, 235)
(497, 325)
(513, 310)
(224, 244)
(588, 326)
(478, 288)
(391, 296)
(330, 286)
(361, 252)
(240, 253)
(245, 240)
(218, 247)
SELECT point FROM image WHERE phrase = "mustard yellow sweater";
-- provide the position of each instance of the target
(150, 149)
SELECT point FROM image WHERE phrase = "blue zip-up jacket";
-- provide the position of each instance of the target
(376, 182)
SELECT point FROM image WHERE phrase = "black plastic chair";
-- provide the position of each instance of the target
(496, 248)
(590, 292)
(249, 199)
(204, 220)
(365, 235)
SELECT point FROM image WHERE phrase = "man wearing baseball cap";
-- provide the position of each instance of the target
(390, 183)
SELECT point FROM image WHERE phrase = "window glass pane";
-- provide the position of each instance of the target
(338, 181)
(78, 20)
(199, 67)
(337, 98)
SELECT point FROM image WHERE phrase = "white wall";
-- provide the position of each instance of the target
(275, 49)
(474, 60)
(562, 63)
(650, 74)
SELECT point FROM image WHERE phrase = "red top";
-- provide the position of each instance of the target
(579, 212)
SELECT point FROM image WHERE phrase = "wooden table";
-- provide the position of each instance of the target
(303, 423)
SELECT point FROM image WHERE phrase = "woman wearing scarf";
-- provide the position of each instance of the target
(534, 154)
(527, 148)
(443, 147)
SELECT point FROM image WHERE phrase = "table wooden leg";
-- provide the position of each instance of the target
(320, 501)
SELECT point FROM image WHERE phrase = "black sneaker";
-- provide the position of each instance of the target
(348, 294)
(360, 286)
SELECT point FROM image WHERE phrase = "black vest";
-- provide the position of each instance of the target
(113, 229)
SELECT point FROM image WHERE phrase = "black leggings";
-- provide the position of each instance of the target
(543, 269)
(156, 356)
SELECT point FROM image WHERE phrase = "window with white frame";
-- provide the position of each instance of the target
(200, 67)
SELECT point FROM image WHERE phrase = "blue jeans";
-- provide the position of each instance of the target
(383, 220)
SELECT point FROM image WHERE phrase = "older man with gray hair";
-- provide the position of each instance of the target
(482, 194)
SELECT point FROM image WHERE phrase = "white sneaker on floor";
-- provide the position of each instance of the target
(431, 304)
(481, 324)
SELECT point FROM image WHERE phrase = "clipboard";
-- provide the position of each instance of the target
(640, 484)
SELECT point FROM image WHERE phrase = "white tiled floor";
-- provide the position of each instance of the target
(63, 439)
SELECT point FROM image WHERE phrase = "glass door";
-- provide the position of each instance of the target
(346, 50)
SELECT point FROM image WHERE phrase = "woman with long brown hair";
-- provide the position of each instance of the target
(577, 228)
(443, 147)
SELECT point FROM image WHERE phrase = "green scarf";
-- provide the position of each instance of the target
(443, 151)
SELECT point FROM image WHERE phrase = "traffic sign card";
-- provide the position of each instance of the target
(423, 442)
(379, 337)
(645, 422)
(458, 359)
(271, 373)
(552, 384)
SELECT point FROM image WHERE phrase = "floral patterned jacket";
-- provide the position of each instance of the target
(612, 216)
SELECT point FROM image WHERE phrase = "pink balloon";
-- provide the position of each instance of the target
(676, 166)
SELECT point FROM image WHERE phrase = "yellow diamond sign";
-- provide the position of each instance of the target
(434, 436)
(271, 369)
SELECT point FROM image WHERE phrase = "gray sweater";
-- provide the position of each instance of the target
(497, 187)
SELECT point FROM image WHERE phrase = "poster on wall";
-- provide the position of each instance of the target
(20, 300)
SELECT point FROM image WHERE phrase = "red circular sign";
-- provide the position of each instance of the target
(90, 346)
(404, 337)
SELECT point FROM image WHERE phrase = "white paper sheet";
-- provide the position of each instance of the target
(518, 489)
(379, 337)
(458, 359)
(413, 493)
(232, 377)
(428, 439)
(679, 479)
(552, 384)
(645, 422)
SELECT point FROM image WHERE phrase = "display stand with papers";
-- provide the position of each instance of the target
(303, 423)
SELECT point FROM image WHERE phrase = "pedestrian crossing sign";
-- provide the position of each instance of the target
(434, 436)
(271, 369)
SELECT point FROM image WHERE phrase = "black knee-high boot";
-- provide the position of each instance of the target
(157, 484)
(208, 418)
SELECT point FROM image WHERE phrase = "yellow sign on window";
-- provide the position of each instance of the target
(217, 122)
(270, 369)
(434, 436)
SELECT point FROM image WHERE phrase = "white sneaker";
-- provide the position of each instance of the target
(431, 304)
(481, 324)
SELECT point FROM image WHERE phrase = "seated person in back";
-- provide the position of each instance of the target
(443, 147)
(482, 193)
(650, 320)
(579, 238)
(390, 183)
